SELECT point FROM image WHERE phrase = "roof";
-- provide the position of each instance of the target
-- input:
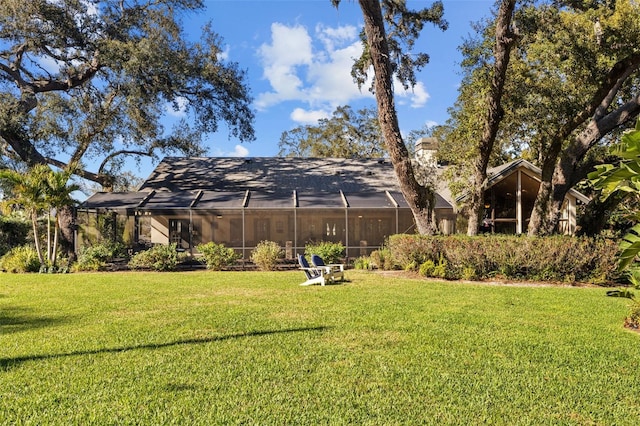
(272, 174)
(264, 182)
(498, 173)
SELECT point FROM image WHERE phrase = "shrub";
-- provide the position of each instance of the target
(217, 256)
(554, 258)
(427, 268)
(328, 251)
(382, 259)
(13, 233)
(469, 273)
(440, 270)
(362, 262)
(20, 260)
(158, 258)
(95, 258)
(266, 255)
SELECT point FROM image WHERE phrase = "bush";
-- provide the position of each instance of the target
(362, 262)
(20, 260)
(554, 258)
(328, 251)
(13, 233)
(427, 268)
(95, 258)
(217, 256)
(633, 319)
(158, 258)
(266, 255)
(382, 259)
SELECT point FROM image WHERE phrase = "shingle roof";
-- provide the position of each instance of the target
(277, 175)
(270, 181)
(272, 174)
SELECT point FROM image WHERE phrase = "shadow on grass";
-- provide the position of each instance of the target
(7, 363)
(13, 320)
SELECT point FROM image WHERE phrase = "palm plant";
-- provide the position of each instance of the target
(623, 177)
(26, 192)
(40, 189)
(57, 195)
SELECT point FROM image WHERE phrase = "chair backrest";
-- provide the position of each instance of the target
(317, 260)
(308, 272)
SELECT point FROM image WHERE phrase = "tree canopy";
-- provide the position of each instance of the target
(88, 81)
(346, 134)
(572, 80)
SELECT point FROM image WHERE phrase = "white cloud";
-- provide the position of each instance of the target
(318, 75)
(316, 70)
(224, 55)
(416, 95)
(178, 108)
(302, 116)
(239, 151)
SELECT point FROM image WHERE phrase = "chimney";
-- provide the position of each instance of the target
(426, 150)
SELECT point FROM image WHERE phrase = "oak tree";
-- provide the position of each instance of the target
(85, 83)
(390, 31)
(346, 134)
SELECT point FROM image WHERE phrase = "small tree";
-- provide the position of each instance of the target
(40, 190)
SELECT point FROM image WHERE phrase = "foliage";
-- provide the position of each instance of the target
(217, 256)
(623, 177)
(157, 346)
(36, 191)
(119, 66)
(363, 262)
(96, 257)
(13, 233)
(556, 258)
(20, 260)
(328, 251)
(382, 259)
(266, 255)
(566, 93)
(346, 134)
(160, 257)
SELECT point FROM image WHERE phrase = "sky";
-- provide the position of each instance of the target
(298, 55)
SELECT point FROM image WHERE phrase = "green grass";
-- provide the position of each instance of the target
(256, 348)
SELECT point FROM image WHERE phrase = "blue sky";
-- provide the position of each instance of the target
(298, 55)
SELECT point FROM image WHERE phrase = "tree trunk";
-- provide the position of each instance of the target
(36, 238)
(568, 171)
(66, 218)
(54, 253)
(476, 201)
(419, 198)
(505, 40)
(539, 220)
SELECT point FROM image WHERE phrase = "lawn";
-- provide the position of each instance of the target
(256, 348)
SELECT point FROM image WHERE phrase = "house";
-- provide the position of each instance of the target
(242, 201)
(511, 193)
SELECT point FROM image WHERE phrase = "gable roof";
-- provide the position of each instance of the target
(498, 173)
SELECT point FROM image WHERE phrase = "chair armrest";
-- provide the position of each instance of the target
(337, 265)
